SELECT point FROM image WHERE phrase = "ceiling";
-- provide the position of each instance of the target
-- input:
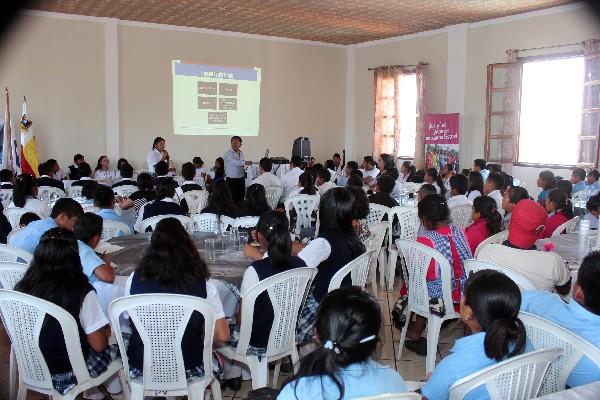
(330, 21)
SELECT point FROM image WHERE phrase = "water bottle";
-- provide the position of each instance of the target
(583, 239)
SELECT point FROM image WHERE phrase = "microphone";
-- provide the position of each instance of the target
(267, 153)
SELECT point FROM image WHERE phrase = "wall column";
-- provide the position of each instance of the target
(111, 79)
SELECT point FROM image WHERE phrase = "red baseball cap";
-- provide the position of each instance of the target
(527, 223)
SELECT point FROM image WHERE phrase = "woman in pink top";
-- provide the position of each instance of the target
(487, 221)
(560, 208)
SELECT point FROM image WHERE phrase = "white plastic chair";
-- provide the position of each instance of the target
(125, 190)
(568, 226)
(287, 291)
(187, 222)
(74, 191)
(23, 318)
(375, 242)
(498, 238)
(393, 396)
(245, 222)
(111, 229)
(50, 194)
(207, 222)
(461, 215)
(161, 320)
(10, 274)
(14, 215)
(358, 270)
(376, 213)
(408, 221)
(195, 200)
(543, 334)
(518, 378)
(14, 254)
(523, 282)
(91, 209)
(418, 257)
(273, 195)
(6, 196)
(304, 205)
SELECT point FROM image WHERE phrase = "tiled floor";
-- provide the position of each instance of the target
(411, 367)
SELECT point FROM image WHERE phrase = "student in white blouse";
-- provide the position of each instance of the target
(24, 196)
(158, 153)
(458, 189)
(102, 173)
(475, 185)
(324, 181)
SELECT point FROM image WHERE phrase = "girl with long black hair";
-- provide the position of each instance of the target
(560, 208)
(408, 172)
(475, 185)
(487, 221)
(490, 308)
(24, 196)
(220, 200)
(306, 185)
(348, 329)
(56, 275)
(432, 177)
(255, 203)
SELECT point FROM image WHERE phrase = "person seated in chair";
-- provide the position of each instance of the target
(104, 200)
(162, 173)
(46, 180)
(85, 174)
(7, 179)
(164, 203)
(323, 181)
(188, 171)
(74, 173)
(126, 172)
(266, 177)
(383, 191)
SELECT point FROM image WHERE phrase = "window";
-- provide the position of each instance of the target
(550, 115)
(407, 110)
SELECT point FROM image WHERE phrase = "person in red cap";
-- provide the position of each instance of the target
(546, 270)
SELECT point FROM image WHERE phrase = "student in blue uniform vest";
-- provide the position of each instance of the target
(348, 329)
(172, 264)
(56, 275)
(490, 308)
(164, 203)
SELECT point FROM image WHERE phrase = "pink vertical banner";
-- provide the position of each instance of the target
(441, 140)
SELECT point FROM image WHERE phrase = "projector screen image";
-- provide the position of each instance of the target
(213, 100)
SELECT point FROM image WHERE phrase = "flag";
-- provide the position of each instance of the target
(29, 156)
(6, 140)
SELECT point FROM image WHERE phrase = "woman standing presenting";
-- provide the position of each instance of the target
(157, 154)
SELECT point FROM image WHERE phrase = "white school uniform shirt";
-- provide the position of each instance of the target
(297, 191)
(325, 187)
(475, 194)
(459, 200)
(101, 175)
(152, 159)
(59, 175)
(334, 174)
(372, 173)
(34, 205)
(267, 179)
(438, 190)
(91, 315)
(289, 181)
(496, 195)
(179, 190)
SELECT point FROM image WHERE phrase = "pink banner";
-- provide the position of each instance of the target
(441, 140)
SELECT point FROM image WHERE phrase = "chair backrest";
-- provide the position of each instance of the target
(461, 215)
(14, 214)
(151, 222)
(14, 254)
(408, 219)
(245, 222)
(91, 209)
(287, 291)
(195, 200)
(476, 265)
(207, 222)
(6, 196)
(378, 232)
(160, 320)
(418, 257)
(125, 190)
(543, 334)
(393, 396)
(497, 238)
(74, 191)
(273, 194)
(376, 213)
(568, 227)
(358, 270)
(11, 273)
(304, 205)
(111, 229)
(50, 194)
(518, 378)
(23, 317)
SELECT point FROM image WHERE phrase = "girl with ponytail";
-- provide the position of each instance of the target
(432, 177)
(490, 308)
(560, 208)
(348, 330)
(24, 196)
(487, 221)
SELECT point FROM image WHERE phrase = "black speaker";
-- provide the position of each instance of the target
(301, 148)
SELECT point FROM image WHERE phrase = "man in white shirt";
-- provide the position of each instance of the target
(546, 270)
(492, 187)
(289, 180)
(234, 169)
(266, 177)
(323, 181)
(458, 189)
(369, 171)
